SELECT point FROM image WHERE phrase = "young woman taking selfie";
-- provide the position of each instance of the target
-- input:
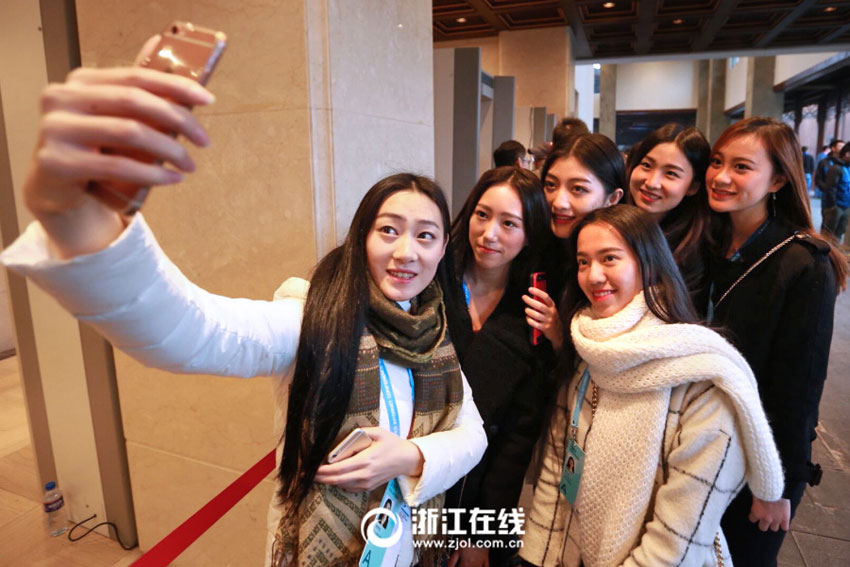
(372, 350)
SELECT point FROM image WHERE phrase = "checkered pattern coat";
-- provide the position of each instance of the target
(701, 468)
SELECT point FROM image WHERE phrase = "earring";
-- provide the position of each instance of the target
(773, 204)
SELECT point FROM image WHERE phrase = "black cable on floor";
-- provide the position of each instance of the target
(92, 517)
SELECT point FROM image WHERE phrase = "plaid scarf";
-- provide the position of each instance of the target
(325, 531)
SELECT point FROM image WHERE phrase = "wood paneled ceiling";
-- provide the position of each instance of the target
(626, 28)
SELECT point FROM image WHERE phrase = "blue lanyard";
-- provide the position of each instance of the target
(465, 292)
(389, 397)
(582, 390)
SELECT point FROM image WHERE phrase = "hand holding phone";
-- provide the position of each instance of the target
(183, 49)
(353, 443)
(537, 280)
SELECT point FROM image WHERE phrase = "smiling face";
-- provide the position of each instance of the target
(740, 177)
(405, 244)
(662, 179)
(572, 191)
(496, 232)
(608, 271)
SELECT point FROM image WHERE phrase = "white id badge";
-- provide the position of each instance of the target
(571, 475)
(385, 535)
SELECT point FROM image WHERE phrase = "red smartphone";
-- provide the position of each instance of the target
(537, 280)
(183, 49)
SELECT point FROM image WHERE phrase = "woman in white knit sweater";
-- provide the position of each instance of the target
(668, 424)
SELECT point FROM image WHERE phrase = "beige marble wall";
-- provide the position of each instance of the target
(540, 59)
(537, 58)
(381, 61)
(238, 226)
(311, 110)
(489, 51)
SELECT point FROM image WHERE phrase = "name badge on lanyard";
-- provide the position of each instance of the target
(386, 533)
(574, 458)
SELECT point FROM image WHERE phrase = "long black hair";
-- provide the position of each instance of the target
(663, 286)
(535, 220)
(686, 226)
(334, 320)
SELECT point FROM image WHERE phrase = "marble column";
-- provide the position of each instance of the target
(761, 99)
(703, 86)
(608, 101)
(717, 121)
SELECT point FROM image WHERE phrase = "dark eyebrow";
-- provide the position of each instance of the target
(429, 223)
(398, 217)
(674, 166)
(748, 160)
(603, 251)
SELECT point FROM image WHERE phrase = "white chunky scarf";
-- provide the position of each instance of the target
(635, 359)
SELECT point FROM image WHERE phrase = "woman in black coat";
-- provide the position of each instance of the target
(496, 234)
(774, 283)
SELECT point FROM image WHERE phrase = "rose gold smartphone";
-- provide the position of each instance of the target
(353, 443)
(183, 49)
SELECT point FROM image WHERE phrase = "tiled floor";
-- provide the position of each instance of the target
(23, 539)
(821, 528)
(820, 532)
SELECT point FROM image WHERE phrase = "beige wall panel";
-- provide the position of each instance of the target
(379, 68)
(789, 65)
(584, 86)
(238, 226)
(223, 421)
(536, 58)
(263, 67)
(374, 148)
(656, 85)
(444, 76)
(489, 51)
(174, 487)
(736, 83)
(382, 95)
(242, 223)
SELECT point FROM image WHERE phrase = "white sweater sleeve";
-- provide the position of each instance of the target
(448, 454)
(141, 302)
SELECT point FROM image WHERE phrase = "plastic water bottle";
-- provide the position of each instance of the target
(54, 506)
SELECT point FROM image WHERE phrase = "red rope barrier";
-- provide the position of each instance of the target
(186, 533)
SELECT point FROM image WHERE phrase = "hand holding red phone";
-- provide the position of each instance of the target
(541, 314)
